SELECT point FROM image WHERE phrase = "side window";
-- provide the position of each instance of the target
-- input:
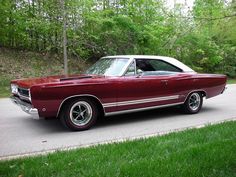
(163, 66)
(155, 67)
(144, 65)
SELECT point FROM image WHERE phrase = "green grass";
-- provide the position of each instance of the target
(4, 87)
(231, 81)
(209, 151)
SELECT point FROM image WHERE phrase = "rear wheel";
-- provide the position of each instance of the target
(79, 114)
(193, 103)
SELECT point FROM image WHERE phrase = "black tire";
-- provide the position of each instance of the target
(193, 103)
(79, 114)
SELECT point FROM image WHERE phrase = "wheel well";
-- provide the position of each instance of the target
(203, 93)
(95, 100)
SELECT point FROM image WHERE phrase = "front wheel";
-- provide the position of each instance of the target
(193, 103)
(79, 114)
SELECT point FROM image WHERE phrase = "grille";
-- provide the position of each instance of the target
(23, 92)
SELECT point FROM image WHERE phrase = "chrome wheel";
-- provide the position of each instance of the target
(81, 113)
(194, 101)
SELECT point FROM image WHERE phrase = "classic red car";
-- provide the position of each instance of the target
(116, 84)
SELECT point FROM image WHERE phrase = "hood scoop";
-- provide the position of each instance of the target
(75, 78)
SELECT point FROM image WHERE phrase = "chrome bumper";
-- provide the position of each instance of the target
(26, 107)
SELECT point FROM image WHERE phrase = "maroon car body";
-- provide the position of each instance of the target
(141, 84)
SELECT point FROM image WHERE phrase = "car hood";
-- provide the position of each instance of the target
(27, 83)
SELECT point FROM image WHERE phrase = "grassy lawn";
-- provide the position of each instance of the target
(231, 81)
(4, 87)
(209, 151)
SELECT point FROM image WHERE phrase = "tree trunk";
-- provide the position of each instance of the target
(64, 38)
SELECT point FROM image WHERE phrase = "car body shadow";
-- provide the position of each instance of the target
(53, 125)
(139, 116)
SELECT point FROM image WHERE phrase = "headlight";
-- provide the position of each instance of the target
(14, 88)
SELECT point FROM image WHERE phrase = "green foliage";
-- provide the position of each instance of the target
(203, 37)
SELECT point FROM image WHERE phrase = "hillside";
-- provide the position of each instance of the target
(16, 64)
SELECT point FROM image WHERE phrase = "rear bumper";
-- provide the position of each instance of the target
(26, 107)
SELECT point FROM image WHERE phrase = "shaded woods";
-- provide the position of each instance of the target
(202, 36)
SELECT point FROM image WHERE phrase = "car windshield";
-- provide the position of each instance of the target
(108, 66)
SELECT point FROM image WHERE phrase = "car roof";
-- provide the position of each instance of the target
(170, 60)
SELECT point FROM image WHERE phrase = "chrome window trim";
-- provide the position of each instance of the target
(134, 60)
(123, 71)
(160, 60)
(170, 60)
(172, 65)
(135, 72)
(120, 57)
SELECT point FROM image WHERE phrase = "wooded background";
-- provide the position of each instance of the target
(202, 36)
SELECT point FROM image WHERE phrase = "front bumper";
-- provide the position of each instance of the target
(26, 107)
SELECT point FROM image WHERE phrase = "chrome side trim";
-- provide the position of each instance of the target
(124, 103)
(26, 107)
(142, 109)
(82, 95)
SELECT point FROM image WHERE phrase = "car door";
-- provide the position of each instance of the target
(148, 84)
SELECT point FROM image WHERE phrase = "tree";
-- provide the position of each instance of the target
(203, 37)
(64, 37)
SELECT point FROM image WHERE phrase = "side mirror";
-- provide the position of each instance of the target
(139, 72)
